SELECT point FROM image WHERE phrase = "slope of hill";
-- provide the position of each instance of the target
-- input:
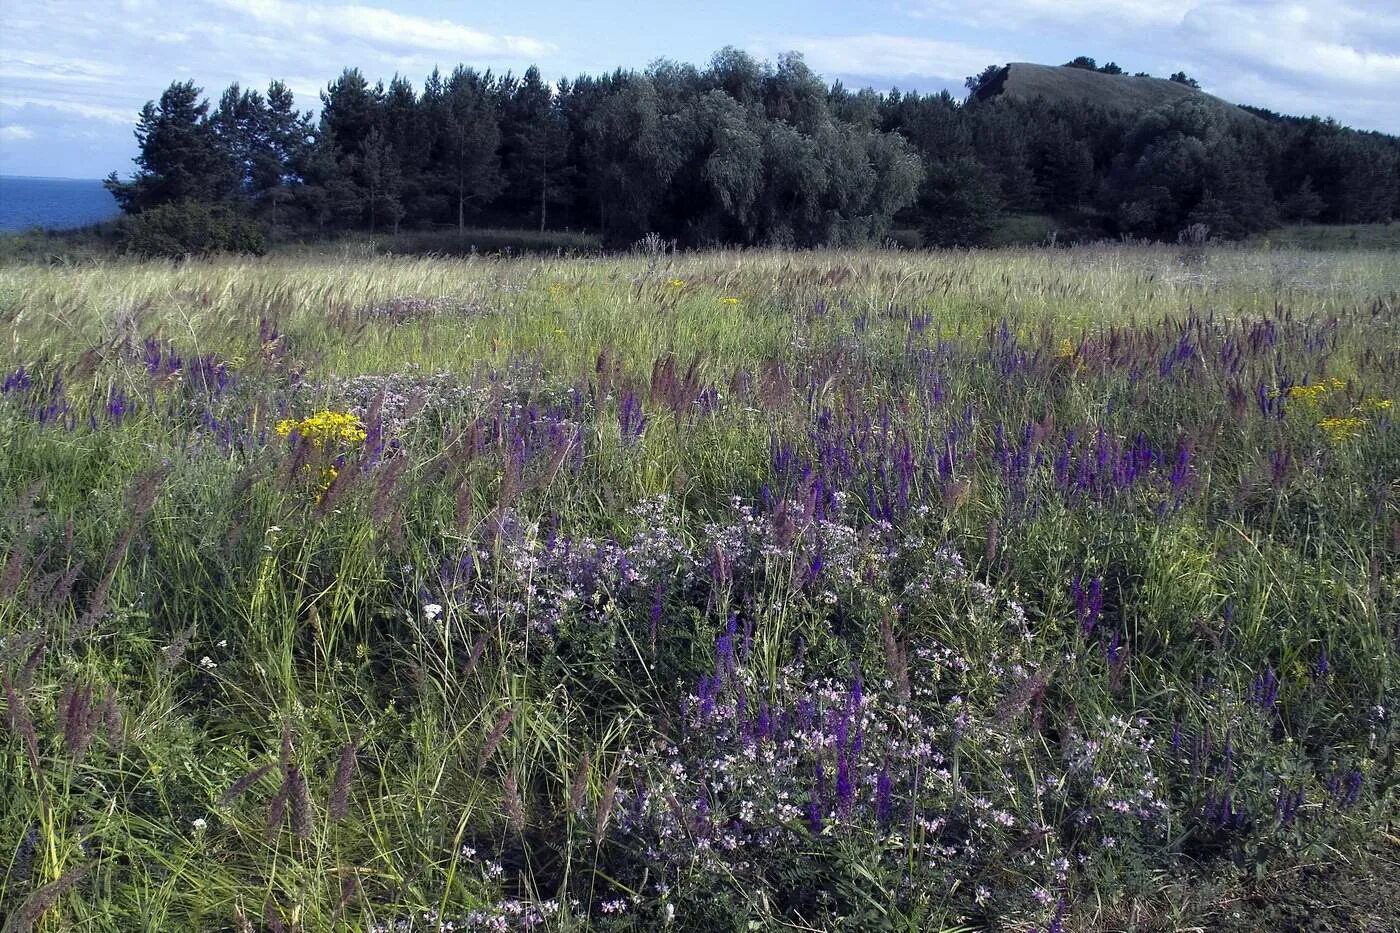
(1025, 81)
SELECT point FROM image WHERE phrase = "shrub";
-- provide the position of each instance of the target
(189, 228)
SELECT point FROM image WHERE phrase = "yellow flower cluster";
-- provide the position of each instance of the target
(1066, 351)
(325, 428)
(726, 300)
(1339, 430)
(677, 283)
(1315, 393)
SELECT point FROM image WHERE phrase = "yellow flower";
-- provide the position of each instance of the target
(328, 476)
(1339, 430)
(1375, 404)
(325, 428)
(1310, 394)
(728, 301)
(677, 283)
(1067, 350)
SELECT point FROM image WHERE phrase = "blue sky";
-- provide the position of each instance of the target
(73, 73)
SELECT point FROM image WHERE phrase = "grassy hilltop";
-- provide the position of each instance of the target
(1027, 83)
(1052, 590)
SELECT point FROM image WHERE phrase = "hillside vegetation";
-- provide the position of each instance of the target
(1136, 94)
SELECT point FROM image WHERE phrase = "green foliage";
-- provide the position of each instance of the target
(749, 152)
(191, 228)
(181, 158)
(960, 203)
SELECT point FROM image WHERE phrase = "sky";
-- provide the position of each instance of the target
(74, 73)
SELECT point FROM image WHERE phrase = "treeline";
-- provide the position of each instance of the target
(740, 152)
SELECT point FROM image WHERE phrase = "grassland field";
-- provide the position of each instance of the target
(865, 590)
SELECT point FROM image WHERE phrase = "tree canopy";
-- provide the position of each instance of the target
(740, 151)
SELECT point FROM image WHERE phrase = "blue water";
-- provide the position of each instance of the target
(53, 203)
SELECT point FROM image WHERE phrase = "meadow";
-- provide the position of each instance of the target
(1018, 590)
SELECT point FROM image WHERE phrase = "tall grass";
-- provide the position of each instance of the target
(1008, 590)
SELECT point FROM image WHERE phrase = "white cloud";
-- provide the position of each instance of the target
(1011, 14)
(38, 66)
(386, 28)
(123, 117)
(892, 56)
(1331, 42)
(15, 133)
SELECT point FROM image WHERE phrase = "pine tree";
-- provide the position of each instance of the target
(279, 166)
(470, 138)
(380, 176)
(534, 147)
(181, 157)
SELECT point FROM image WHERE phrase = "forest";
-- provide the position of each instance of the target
(740, 152)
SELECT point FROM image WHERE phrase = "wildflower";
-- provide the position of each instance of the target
(1339, 430)
(325, 428)
(1310, 394)
(1067, 351)
(328, 477)
(207, 663)
(1088, 602)
(200, 825)
(677, 283)
(1322, 668)
(727, 300)
(431, 611)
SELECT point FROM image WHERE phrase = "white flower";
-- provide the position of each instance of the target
(207, 663)
(200, 825)
(432, 610)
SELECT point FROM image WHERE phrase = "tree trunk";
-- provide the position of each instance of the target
(544, 189)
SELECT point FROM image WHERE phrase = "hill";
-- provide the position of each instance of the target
(1024, 81)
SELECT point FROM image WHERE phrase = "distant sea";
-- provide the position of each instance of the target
(53, 203)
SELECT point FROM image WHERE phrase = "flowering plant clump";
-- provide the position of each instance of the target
(1315, 393)
(1339, 430)
(325, 429)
